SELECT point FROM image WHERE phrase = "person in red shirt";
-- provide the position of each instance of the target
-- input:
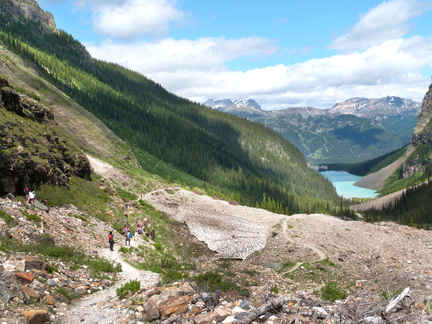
(111, 240)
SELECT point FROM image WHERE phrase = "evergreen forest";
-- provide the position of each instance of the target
(248, 161)
(413, 208)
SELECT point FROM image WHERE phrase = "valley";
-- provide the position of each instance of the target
(230, 222)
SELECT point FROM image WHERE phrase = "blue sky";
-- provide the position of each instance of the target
(281, 53)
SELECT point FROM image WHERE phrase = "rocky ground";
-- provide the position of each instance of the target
(282, 262)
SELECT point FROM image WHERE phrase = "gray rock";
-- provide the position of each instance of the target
(51, 282)
(247, 305)
(6, 298)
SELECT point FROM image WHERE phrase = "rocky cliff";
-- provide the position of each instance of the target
(421, 141)
(29, 9)
(33, 151)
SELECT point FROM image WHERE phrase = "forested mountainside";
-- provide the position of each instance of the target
(331, 138)
(246, 160)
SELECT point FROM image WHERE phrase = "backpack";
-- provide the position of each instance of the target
(110, 237)
(129, 235)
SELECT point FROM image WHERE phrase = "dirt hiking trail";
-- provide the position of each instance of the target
(95, 307)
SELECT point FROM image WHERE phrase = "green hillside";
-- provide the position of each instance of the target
(246, 160)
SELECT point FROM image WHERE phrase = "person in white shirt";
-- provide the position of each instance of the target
(31, 197)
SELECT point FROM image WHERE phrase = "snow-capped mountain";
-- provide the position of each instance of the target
(381, 107)
(368, 127)
(239, 107)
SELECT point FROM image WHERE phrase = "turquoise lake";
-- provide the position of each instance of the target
(344, 184)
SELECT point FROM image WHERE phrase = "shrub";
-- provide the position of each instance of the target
(214, 281)
(63, 291)
(131, 286)
(104, 265)
(35, 218)
(123, 249)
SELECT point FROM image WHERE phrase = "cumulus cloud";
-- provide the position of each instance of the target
(389, 20)
(169, 55)
(133, 18)
(197, 70)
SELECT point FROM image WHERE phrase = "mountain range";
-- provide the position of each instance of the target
(354, 130)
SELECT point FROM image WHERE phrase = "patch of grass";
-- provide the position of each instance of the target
(81, 193)
(82, 217)
(65, 292)
(274, 289)
(32, 217)
(123, 249)
(212, 281)
(327, 262)
(126, 195)
(7, 218)
(50, 269)
(45, 245)
(167, 265)
(332, 291)
(289, 264)
(226, 264)
(103, 265)
(388, 295)
(131, 286)
(251, 273)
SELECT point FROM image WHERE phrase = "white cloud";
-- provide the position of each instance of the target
(197, 70)
(169, 55)
(389, 20)
(134, 18)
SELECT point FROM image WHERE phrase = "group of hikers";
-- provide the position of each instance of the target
(127, 233)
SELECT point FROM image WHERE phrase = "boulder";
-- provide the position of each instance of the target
(152, 309)
(32, 262)
(36, 316)
(25, 277)
(175, 306)
(41, 206)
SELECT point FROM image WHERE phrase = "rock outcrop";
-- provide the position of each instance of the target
(421, 141)
(29, 9)
(32, 150)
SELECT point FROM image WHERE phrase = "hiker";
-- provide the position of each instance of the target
(111, 240)
(128, 237)
(26, 192)
(139, 230)
(31, 197)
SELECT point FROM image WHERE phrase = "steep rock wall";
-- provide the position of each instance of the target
(32, 151)
(421, 141)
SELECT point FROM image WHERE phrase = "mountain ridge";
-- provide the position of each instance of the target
(352, 131)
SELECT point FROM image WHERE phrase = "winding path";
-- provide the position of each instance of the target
(93, 308)
(321, 254)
